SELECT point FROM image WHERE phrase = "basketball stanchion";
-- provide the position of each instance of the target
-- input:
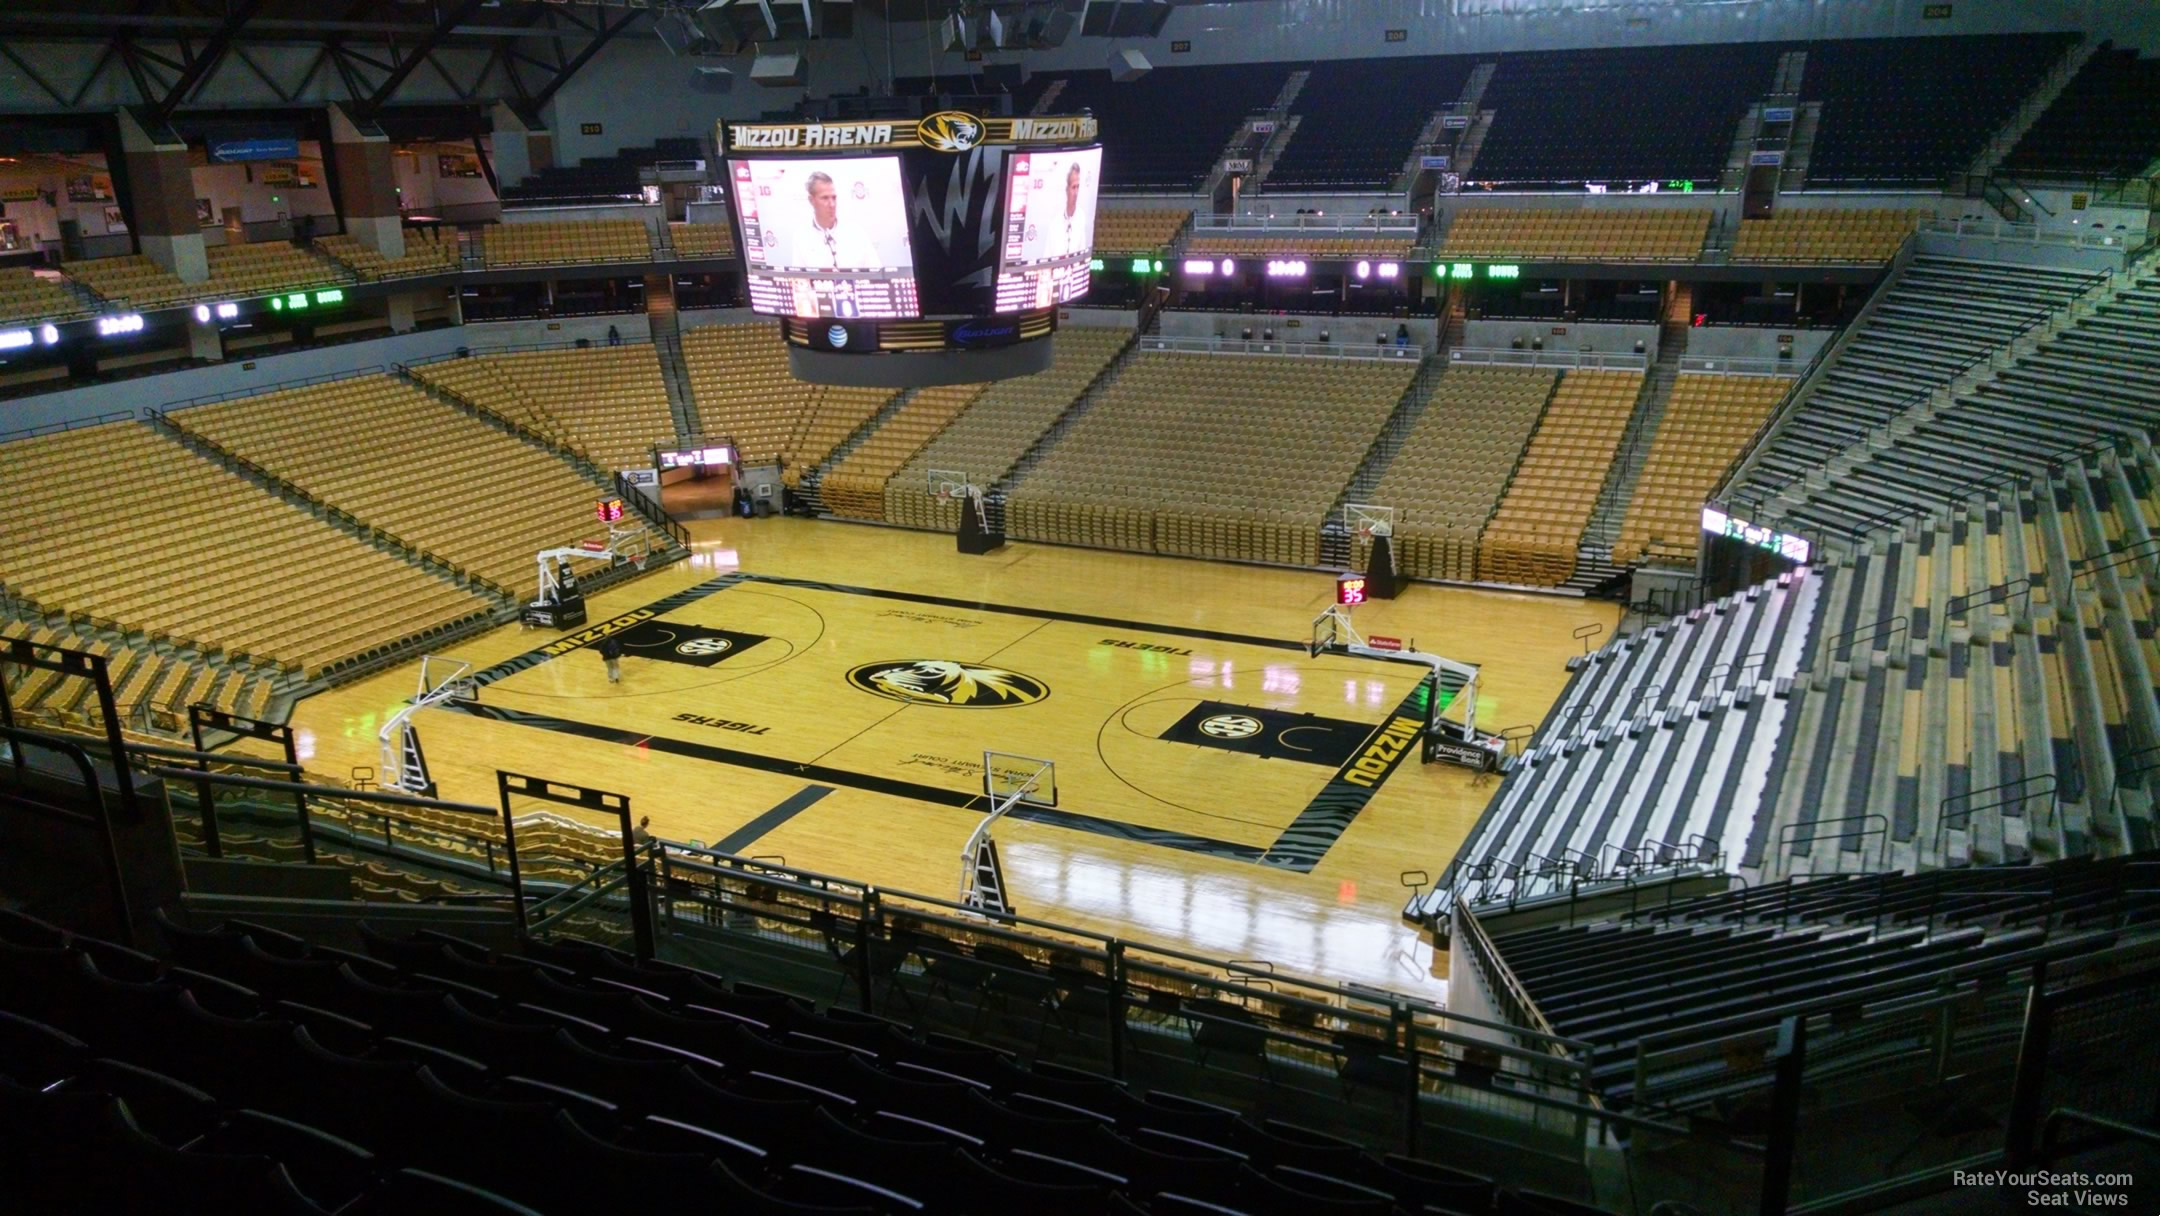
(1009, 780)
(404, 765)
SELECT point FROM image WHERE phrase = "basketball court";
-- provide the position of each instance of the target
(826, 693)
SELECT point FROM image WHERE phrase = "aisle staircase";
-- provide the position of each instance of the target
(666, 325)
(994, 498)
(805, 493)
(1335, 547)
(1619, 490)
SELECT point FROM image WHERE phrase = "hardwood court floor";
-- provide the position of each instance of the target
(783, 716)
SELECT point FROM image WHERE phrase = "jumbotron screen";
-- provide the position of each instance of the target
(826, 237)
(1049, 231)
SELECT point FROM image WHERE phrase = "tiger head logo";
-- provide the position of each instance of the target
(950, 131)
(948, 683)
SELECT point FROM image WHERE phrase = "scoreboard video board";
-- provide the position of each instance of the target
(953, 216)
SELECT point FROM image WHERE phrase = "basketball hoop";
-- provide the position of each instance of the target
(1369, 520)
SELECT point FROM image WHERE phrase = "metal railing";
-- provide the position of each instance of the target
(1742, 367)
(1579, 359)
(1886, 631)
(1384, 225)
(1955, 813)
(2031, 234)
(1310, 350)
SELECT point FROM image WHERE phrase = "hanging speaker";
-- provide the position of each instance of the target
(712, 80)
(955, 33)
(1128, 66)
(786, 68)
(677, 32)
(1050, 29)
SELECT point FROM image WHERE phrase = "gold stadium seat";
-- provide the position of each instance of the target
(608, 403)
(218, 558)
(1534, 533)
(1220, 456)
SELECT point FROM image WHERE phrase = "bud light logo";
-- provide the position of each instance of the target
(837, 335)
(972, 332)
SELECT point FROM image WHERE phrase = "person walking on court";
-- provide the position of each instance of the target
(611, 650)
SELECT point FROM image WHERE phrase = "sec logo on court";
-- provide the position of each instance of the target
(947, 683)
(1231, 726)
(700, 647)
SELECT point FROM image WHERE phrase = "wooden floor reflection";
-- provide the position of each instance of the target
(1338, 922)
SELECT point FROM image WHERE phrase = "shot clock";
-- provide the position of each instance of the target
(1350, 589)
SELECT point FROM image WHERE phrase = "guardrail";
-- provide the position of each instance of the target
(150, 411)
(1741, 367)
(1310, 350)
(2031, 234)
(1579, 359)
(1382, 225)
(54, 428)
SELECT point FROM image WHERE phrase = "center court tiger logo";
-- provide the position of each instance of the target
(701, 647)
(950, 131)
(948, 683)
(1231, 726)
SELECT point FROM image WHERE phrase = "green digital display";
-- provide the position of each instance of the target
(1095, 264)
(335, 295)
(1503, 272)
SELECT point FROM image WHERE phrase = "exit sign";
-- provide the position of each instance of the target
(588, 128)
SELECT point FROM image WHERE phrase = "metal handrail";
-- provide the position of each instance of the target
(1866, 825)
(1840, 645)
(2004, 592)
(2009, 793)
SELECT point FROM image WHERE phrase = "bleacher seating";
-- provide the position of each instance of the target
(1454, 466)
(1577, 235)
(1900, 112)
(554, 242)
(251, 1070)
(998, 429)
(1692, 975)
(175, 548)
(263, 267)
(739, 377)
(1933, 319)
(856, 486)
(25, 297)
(1708, 420)
(702, 240)
(1357, 119)
(1619, 114)
(134, 280)
(1655, 755)
(1297, 242)
(1537, 529)
(1136, 232)
(1210, 456)
(607, 402)
(260, 268)
(2016, 617)
(1144, 147)
(152, 685)
(1825, 235)
(2082, 380)
(427, 251)
(2105, 123)
(398, 459)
